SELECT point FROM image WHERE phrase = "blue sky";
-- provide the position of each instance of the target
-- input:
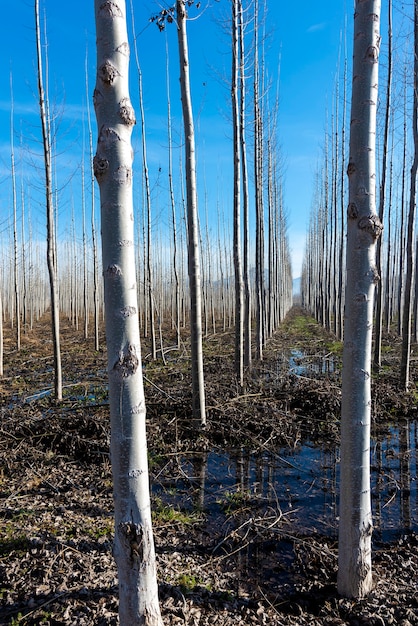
(305, 36)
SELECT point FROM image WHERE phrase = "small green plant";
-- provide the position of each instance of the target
(233, 500)
(187, 582)
(163, 513)
(102, 531)
(16, 621)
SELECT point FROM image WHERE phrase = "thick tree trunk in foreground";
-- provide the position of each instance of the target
(363, 230)
(133, 545)
(199, 409)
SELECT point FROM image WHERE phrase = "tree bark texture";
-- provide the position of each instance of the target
(133, 544)
(363, 230)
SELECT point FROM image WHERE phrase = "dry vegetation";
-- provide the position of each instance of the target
(240, 561)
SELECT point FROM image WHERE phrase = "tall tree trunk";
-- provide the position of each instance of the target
(93, 225)
(50, 216)
(239, 285)
(173, 208)
(379, 288)
(15, 242)
(199, 409)
(148, 273)
(363, 230)
(133, 543)
(258, 189)
(410, 245)
(342, 206)
(403, 206)
(245, 193)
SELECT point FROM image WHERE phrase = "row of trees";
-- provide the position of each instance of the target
(396, 302)
(264, 294)
(379, 290)
(266, 298)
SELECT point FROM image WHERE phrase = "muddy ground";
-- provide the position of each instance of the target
(241, 560)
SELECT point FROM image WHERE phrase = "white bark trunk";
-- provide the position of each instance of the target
(199, 408)
(50, 214)
(363, 230)
(239, 284)
(133, 546)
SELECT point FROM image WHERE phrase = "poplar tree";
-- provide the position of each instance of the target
(199, 405)
(133, 543)
(410, 246)
(363, 230)
(49, 197)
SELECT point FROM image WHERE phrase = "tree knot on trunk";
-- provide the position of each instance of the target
(107, 72)
(110, 9)
(132, 537)
(371, 224)
(352, 211)
(127, 363)
(123, 49)
(372, 54)
(100, 167)
(108, 136)
(126, 112)
(128, 311)
(351, 168)
(97, 98)
(113, 270)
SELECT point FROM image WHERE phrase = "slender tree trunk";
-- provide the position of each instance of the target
(258, 189)
(245, 194)
(85, 274)
(410, 245)
(239, 285)
(51, 234)
(173, 208)
(342, 209)
(379, 288)
(148, 261)
(402, 228)
(93, 226)
(363, 230)
(199, 409)
(133, 543)
(15, 242)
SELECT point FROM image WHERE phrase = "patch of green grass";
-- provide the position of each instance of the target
(19, 544)
(233, 501)
(303, 325)
(187, 582)
(163, 513)
(336, 347)
(154, 459)
(105, 530)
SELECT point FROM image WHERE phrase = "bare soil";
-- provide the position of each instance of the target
(239, 562)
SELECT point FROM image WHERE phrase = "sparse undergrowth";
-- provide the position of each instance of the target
(240, 560)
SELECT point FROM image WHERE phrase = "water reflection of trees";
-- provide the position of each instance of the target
(394, 462)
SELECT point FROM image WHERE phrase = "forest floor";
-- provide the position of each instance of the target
(232, 546)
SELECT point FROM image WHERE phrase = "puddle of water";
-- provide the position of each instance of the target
(302, 364)
(301, 484)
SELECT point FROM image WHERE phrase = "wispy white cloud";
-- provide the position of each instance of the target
(316, 27)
